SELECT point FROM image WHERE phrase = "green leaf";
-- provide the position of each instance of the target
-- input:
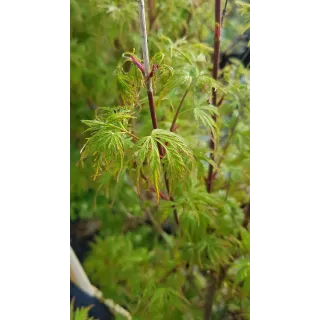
(210, 82)
(204, 115)
(79, 313)
(148, 153)
(178, 157)
(176, 80)
(176, 162)
(107, 140)
(244, 9)
(129, 84)
(241, 273)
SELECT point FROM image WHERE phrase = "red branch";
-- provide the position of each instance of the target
(137, 63)
(216, 58)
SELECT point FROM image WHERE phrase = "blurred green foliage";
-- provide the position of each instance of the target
(154, 274)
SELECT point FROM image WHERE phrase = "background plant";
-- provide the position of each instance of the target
(142, 259)
(79, 313)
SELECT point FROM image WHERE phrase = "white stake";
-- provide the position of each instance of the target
(80, 279)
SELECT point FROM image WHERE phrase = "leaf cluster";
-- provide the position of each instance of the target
(141, 259)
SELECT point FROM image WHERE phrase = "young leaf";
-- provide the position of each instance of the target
(178, 157)
(204, 115)
(176, 80)
(244, 9)
(107, 140)
(79, 313)
(148, 153)
(210, 82)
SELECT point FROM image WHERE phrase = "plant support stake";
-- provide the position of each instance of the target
(80, 279)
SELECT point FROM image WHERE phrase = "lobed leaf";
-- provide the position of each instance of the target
(204, 115)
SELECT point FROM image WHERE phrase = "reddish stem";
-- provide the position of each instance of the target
(153, 70)
(161, 149)
(175, 212)
(153, 189)
(153, 113)
(137, 63)
(216, 58)
(161, 194)
(151, 16)
(173, 125)
(220, 101)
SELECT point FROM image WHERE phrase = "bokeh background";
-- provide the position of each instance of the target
(101, 32)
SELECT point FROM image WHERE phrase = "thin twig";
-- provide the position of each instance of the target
(216, 57)
(130, 134)
(170, 272)
(173, 126)
(157, 227)
(150, 14)
(209, 297)
(235, 43)
(137, 63)
(179, 108)
(152, 188)
(175, 212)
(224, 11)
(186, 25)
(123, 130)
(226, 146)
